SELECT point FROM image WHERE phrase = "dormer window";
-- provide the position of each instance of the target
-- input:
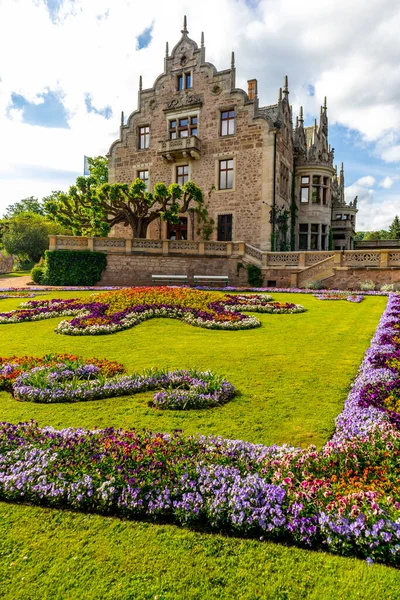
(184, 81)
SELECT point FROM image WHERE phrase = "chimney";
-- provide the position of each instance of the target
(252, 89)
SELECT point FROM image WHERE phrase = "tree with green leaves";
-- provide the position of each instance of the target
(92, 210)
(98, 169)
(394, 229)
(26, 205)
(27, 236)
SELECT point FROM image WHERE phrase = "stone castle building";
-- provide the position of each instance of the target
(267, 182)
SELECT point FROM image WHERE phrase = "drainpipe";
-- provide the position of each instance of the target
(274, 199)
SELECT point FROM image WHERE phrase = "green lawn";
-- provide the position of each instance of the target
(292, 375)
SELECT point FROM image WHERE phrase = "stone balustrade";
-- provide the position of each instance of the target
(384, 258)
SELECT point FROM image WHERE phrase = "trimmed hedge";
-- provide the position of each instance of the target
(254, 276)
(73, 267)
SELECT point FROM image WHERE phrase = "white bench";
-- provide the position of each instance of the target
(169, 279)
(210, 279)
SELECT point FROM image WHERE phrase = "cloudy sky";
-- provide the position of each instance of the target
(68, 68)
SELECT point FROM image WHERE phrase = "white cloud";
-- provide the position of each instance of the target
(91, 49)
(388, 182)
(367, 181)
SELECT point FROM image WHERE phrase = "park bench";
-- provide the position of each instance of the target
(169, 279)
(209, 280)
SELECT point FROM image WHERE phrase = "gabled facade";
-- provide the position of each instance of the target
(253, 167)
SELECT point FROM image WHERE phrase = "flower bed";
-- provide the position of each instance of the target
(15, 294)
(340, 296)
(84, 380)
(344, 498)
(122, 309)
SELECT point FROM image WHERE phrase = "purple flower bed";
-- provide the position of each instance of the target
(180, 390)
(343, 498)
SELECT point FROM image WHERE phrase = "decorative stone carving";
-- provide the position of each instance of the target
(359, 259)
(215, 246)
(312, 258)
(183, 101)
(253, 252)
(284, 258)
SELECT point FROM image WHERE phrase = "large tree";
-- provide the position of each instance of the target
(30, 205)
(90, 209)
(27, 236)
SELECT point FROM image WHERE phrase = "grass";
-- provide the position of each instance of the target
(15, 274)
(292, 374)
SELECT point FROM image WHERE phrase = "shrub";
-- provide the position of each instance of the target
(367, 285)
(73, 267)
(390, 287)
(254, 276)
(37, 273)
(314, 285)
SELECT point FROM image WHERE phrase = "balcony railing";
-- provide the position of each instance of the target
(187, 147)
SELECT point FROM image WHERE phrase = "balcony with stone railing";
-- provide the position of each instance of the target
(186, 147)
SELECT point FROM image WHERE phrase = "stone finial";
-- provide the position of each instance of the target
(185, 29)
(342, 168)
(325, 104)
(280, 96)
(286, 86)
(202, 39)
(232, 60)
(301, 120)
(315, 125)
(166, 50)
(122, 118)
(140, 83)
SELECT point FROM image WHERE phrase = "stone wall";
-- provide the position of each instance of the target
(137, 269)
(352, 278)
(6, 264)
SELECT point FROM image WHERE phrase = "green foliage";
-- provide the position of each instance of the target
(394, 229)
(98, 169)
(359, 236)
(254, 276)
(92, 209)
(37, 273)
(73, 267)
(27, 236)
(27, 205)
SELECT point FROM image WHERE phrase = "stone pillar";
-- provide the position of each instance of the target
(384, 259)
(302, 259)
(90, 243)
(165, 247)
(201, 248)
(52, 242)
(241, 248)
(128, 246)
(337, 259)
(229, 248)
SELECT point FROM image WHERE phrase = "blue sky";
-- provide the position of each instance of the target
(62, 98)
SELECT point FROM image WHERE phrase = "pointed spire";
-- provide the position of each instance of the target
(301, 120)
(286, 87)
(336, 169)
(280, 96)
(166, 50)
(297, 122)
(342, 169)
(315, 125)
(232, 60)
(122, 118)
(325, 104)
(185, 29)
(202, 39)
(140, 83)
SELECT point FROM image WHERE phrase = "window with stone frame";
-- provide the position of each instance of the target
(303, 236)
(228, 124)
(225, 179)
(314, 238)
(144, 176)
(224, 228)
(325, 191)
(182, 174)
(324, 237)
(183, 127)
(316, 189)
(184, 81)
(304, 190)
(284, 180)
(144, 137)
